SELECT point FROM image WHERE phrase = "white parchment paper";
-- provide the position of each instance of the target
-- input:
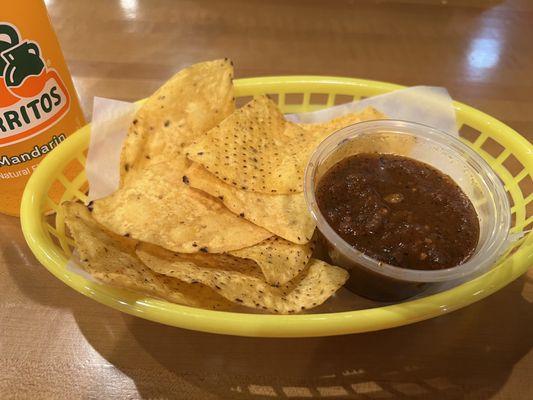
(111, 119)
(423, 104)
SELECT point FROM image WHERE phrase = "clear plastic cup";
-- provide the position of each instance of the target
(383, 282)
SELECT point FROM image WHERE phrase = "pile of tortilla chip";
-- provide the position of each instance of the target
(210, 210)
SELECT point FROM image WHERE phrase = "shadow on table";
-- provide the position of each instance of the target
(427, 360)
(30, 277)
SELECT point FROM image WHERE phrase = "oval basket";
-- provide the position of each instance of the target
(509, 154)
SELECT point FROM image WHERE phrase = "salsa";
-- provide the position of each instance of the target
(399, 211)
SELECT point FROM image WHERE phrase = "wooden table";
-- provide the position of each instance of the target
(55, 343)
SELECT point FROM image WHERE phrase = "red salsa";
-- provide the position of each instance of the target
(399, 211)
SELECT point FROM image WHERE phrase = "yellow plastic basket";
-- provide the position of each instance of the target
(509, 154)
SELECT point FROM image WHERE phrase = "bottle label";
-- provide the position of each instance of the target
(33, 96)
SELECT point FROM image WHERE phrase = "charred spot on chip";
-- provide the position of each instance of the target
(127, 234)
(135, 121)
(241, 215)
(204, 249)
(126, 167)
(185, 179)
(167, 123)
(221, 197)
(200, 153)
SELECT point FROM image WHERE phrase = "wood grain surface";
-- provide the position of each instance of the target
(57, 344)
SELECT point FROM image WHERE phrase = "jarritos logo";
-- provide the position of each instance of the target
(32, 96)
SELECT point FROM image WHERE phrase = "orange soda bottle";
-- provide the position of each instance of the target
(39, 107)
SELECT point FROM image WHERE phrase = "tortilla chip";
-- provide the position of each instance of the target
(322, 130)
(285, 215)
(111, 259)
(200, 261)
(190, 103)
(255, 149)
(388, 142)
(279, 260)
(312, 287)
(157, 207)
